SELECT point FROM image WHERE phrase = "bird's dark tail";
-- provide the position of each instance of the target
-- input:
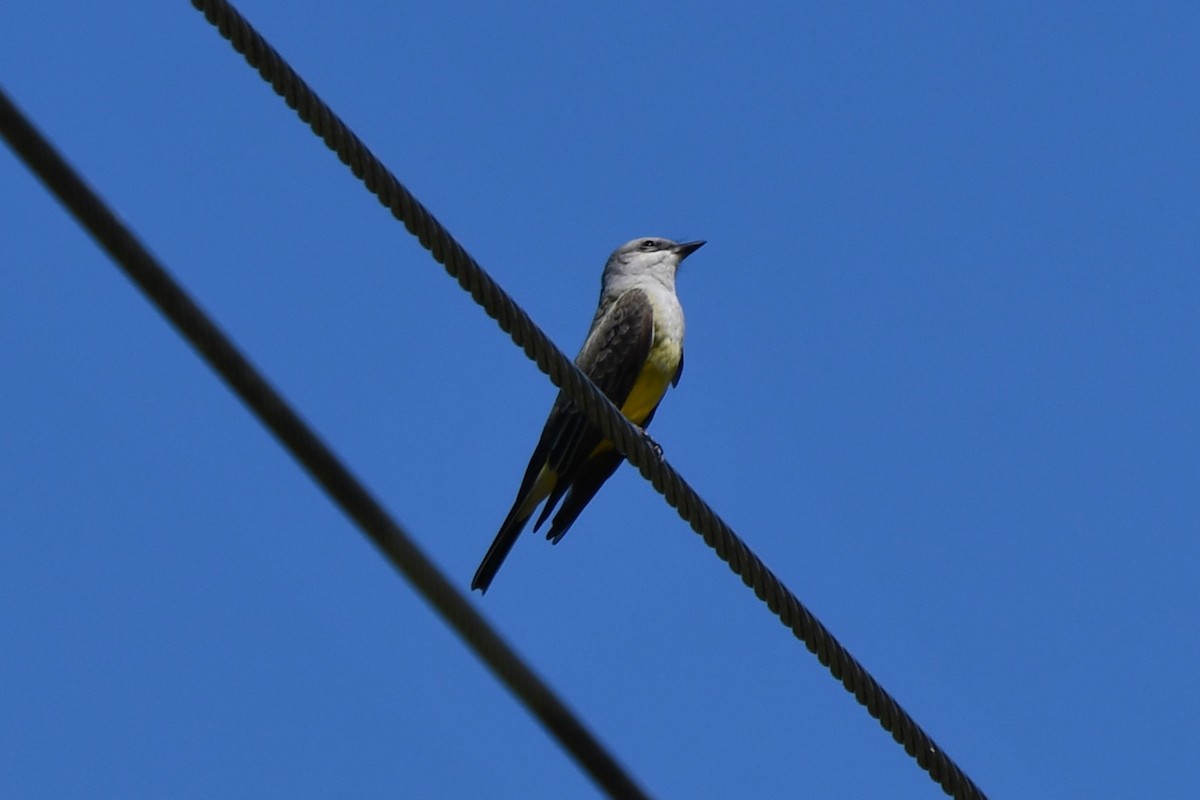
(538, 482)
(514, 523)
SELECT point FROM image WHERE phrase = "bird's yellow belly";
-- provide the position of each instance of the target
(650, 386)
(652, 382)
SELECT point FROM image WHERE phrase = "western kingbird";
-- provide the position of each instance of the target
(633, 350)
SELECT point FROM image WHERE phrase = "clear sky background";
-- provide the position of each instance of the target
(943, 373)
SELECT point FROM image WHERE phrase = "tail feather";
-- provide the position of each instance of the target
(514, 523)
(586, 483)
(499, 550)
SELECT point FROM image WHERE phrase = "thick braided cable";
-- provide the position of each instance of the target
(598, 409)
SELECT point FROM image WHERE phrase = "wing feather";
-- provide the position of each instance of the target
(612, 357)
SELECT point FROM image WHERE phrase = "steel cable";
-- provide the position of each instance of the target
(599, 410)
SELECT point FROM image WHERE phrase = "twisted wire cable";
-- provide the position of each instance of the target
(272, 67)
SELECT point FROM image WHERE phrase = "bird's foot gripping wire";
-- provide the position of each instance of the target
(655, 446)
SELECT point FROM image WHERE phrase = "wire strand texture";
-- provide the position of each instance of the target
(599, 410)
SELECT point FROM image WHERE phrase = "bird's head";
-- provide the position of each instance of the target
(649, 256)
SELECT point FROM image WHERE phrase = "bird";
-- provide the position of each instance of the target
(633, 351)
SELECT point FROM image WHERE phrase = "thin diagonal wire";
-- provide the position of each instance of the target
(599, 410)
(325, 468)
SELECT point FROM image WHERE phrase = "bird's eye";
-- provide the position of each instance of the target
(648, 244)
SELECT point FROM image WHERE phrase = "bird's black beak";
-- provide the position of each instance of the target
(687, 248)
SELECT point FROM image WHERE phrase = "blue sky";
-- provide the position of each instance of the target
(942, 376)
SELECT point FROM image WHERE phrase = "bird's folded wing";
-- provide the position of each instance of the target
(613, 356)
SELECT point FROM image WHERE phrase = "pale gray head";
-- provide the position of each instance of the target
(649, 256)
